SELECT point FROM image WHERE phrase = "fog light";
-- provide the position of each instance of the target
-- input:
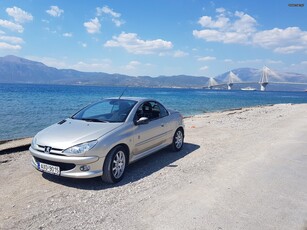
(84, 168)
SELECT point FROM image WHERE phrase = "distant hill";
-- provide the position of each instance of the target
(14, 69)
(19, 70)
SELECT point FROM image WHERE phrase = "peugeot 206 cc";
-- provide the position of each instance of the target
(103, 138)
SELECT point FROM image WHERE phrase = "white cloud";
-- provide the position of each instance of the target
(228, 60)
(271, 38)
(240, 28)
(93, 26)
(107, 10)
(114, 15)
(83, 44)
(206, 21)
(12, 39)
(289, 40)
(117, 22)
(67, 35)
(289, 49)
(299, 67)
(245, 23)
(11, 26)
(55, 11)
(220, 10)
(19, 15)
(207, 58)
(93, 66)
(50, 30)
(251, 61)
(132, 65)
(59, 63)
(274, 61)
(227, 30)
(218, 36)
(204, 68)
(6, 46)
(132, 44)
(179, 54)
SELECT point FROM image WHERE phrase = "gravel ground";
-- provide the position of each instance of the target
(240, 169)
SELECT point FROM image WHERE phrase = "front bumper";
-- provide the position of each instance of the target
(70, 166)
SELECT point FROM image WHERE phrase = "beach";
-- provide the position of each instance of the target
(239, 169)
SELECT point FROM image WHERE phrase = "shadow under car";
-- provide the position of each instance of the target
(134, 172)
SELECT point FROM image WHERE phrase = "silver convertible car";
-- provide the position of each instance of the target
(103, 138)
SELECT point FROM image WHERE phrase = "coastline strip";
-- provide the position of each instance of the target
(12, 146)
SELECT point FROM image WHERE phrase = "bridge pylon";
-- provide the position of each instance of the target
(211, 83)
(231, 78)
(264, 78)
(263, 86)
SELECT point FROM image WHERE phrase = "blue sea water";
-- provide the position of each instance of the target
(26, 109)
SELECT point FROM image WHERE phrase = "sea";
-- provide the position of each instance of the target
(28, 108)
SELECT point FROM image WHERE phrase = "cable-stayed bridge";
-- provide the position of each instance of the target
(233, 79)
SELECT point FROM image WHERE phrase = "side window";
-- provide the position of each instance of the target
(145, 110)
(152, 110)
(156, 112)
(163, 111)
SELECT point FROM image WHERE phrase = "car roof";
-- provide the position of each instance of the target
(138, 99)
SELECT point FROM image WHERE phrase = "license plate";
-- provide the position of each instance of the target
(49, 168)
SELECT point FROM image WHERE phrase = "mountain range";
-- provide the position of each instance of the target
(15, 69)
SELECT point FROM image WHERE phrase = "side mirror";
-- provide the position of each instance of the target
(142, 121)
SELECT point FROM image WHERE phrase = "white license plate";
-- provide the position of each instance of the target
(49, 168)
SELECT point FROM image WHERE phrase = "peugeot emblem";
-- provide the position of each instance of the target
(47, 149)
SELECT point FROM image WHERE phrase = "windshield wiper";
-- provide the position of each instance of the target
(92, 120)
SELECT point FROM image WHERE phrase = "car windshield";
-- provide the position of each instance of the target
(109, 110)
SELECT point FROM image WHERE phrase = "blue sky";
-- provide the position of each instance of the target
(161, 37)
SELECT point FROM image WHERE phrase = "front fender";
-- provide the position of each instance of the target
(122, 135)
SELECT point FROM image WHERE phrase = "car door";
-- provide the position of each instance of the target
(150, 135)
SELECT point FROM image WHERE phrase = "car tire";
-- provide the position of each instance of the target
(115, 165)
(178, 140)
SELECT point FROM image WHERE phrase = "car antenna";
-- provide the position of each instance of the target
(123, 92)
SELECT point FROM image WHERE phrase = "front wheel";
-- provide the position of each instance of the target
(115, 165)
(178, 140)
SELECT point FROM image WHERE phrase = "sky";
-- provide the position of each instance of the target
(160, 37)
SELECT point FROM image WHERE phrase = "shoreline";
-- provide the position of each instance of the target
(16, 145)
(14, 139)
(4, 141)
(20, 144)
(188, 102)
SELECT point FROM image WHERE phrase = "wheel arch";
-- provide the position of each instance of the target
(126, 147)
(182, 129)
(107, 175)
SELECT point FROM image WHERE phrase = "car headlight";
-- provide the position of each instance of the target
(34, 144)
(81, 148)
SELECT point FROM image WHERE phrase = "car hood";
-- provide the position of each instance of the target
(73, 132)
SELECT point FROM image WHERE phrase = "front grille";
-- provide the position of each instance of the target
(53, 151)
(63, 166)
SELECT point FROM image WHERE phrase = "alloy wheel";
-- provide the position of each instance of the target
(118, 164)
(178, 139)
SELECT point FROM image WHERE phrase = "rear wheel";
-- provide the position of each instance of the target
(178, 140)
(115, 165)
